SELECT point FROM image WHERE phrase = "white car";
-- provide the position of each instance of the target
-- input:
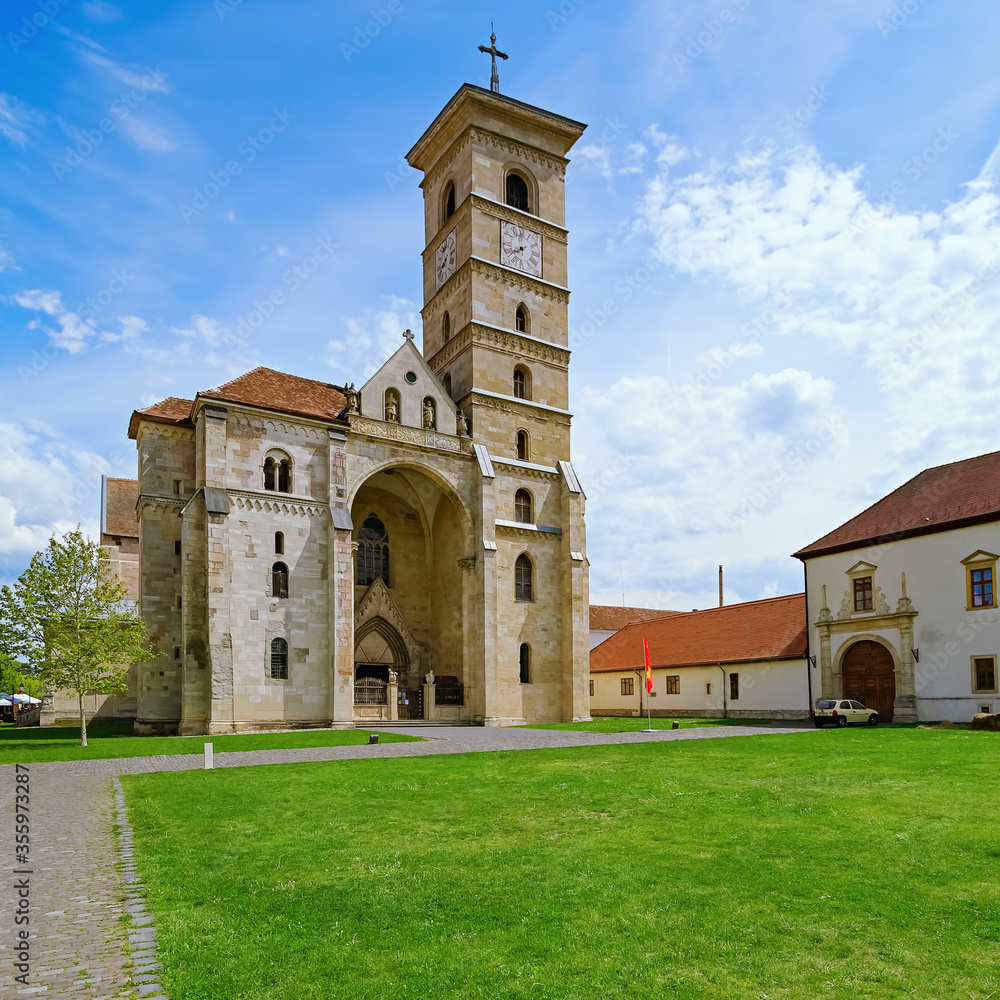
(842, 713)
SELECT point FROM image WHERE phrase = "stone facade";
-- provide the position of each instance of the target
(271, 606)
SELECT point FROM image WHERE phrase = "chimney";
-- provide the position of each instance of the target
(721, 601)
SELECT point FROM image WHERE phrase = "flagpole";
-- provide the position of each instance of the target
(649, 684)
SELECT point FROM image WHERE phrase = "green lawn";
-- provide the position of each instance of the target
(29, 746)
(633, 724)
(860, 864)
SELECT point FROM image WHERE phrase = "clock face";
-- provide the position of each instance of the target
(446, 256)
(521, 248)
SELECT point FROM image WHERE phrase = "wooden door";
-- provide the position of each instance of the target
(870, 677)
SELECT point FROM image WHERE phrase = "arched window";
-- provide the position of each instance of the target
(525, 663)
(522, 507)
(278, 473)
(517, 192)
(449, 201)
(373, 552)
(279, 660)
(521, 320)
(446, 382)
(446, 327)
(522, 446)
(522, 578)
(522, 382)
(279, 543)
(279, 580)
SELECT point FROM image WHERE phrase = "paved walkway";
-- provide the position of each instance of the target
(79, 894)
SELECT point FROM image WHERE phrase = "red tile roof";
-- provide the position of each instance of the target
(271, 390)
(771, 629)
(120, 498)
(264, 388)
(607, 616)
(944, 497)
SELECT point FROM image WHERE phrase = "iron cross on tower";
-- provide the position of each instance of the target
(494, 52)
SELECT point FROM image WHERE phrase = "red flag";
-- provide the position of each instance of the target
(649, 669)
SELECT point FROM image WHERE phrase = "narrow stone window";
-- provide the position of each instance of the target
(449, 201)
(521, 320)
(522, 578)
(279, 660)
(525, 663)
(177, 547)
(269, 474)
(517, 192)
(522, 383)
(446, 382)
(279, 543)
(373, 552)
(522, 446)
(446, 327)
(284, 476)
(522, 507)
(279, 580)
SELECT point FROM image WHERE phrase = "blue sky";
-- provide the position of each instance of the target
(785, 250)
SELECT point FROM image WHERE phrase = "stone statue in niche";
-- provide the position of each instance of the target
(429, 421)
(460, 425)
(352, 398)
(391, 409)
(429, 677)
(393, 676)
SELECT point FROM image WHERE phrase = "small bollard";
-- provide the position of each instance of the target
(372, 738)
(209, 763)
(675, 725)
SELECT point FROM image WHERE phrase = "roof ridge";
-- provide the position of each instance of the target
(724, 607)
(273, 371)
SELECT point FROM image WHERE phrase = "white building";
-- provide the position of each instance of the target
(738, 661)
(902, 600)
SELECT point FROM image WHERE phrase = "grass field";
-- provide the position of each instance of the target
(861, 864)
(30, 746)
(633, 724)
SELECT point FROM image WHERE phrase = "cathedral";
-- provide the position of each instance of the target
(312, 554)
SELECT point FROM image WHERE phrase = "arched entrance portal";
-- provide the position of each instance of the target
(870, 677)
(412, 538)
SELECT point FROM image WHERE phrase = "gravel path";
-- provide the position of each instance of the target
(78, 894)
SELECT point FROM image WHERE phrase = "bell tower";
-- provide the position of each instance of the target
(495, 321)
(495, 313)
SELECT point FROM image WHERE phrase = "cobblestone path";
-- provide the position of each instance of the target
(79, 895)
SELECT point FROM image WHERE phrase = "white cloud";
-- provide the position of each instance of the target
(99, 10)
(6, 260)
(146, 135)
(371, 338)
(46, 485)
(16, 118)
(682, 479)
(147, 79)
(914, 293)
(72, 332)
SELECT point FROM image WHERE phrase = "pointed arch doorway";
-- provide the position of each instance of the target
(380, 660)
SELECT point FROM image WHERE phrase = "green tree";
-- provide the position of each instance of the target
(68, 621)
